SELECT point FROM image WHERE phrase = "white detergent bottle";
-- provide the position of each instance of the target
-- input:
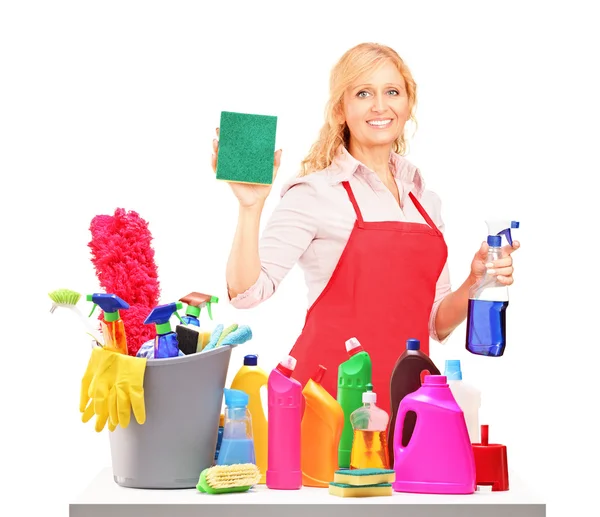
(467, 396)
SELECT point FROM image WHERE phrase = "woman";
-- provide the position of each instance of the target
(362, 226)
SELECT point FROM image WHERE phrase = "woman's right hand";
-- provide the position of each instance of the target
(249, 195)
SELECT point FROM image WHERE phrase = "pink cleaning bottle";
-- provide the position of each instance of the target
(284, 470)
(438, 458)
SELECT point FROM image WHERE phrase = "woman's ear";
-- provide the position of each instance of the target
(338, 114)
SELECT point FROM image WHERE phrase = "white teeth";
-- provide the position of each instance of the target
(379, 122)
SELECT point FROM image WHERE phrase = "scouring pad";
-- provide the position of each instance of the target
(246, 148)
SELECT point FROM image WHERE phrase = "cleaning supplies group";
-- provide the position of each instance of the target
(309, 436)
(113, 383)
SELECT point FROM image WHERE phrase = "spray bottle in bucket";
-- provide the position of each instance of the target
(165, 342)
(195, 301)
(113, 328)
(488, 300)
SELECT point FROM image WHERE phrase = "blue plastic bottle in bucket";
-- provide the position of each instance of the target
(237, 445)
(165, 342)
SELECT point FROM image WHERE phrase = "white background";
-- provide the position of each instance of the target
(114, 104)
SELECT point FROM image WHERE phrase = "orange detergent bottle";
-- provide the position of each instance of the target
(250, 378)
(322, 425)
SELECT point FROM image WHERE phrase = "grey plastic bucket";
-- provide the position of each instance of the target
(183, 397)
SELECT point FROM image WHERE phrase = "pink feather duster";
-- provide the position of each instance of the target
(123, 257)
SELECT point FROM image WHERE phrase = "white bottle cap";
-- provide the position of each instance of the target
(352, 343)
(369, 397)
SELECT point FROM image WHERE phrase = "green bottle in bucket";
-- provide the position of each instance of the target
(353, 376)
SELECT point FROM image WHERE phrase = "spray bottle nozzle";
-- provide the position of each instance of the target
(109, 303)
(196, 301)
(502, 227)
(161, 315)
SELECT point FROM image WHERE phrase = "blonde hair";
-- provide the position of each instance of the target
(354, 63)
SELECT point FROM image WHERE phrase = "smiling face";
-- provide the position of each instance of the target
(376, 108)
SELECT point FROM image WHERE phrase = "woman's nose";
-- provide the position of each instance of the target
(379, 103)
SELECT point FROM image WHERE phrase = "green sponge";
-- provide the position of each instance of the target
(363, 477)
(246, 148)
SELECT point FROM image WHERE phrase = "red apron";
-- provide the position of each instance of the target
(381, 292)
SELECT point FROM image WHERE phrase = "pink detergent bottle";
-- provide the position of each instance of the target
(284, 470)
(438, 458)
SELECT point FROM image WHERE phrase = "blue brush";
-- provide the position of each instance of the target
(237, 337)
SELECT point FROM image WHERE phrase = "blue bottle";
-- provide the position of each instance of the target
(488, 300)
(165, 342)
(219, 436)
(237, 445)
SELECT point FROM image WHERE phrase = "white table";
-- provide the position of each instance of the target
(104, 498)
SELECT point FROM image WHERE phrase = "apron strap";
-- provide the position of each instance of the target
(424, 213)
(359, 217)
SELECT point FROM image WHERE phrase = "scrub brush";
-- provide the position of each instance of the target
(68, 299)
(223, 479)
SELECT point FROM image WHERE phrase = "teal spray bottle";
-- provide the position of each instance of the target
(165, 342)
(488, 300)
(113, 328)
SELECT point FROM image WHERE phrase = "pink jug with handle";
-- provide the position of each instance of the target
(286, 407)
(438, 458)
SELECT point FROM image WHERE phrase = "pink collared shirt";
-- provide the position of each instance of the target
(313, 220)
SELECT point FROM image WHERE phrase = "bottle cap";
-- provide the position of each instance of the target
(452, 370)
(353, 346)
(435, 380)
(287, 366)
(318, 376)
(494, 241)
(250, 360)
(413, 344)
(369, 396)
(235, 398)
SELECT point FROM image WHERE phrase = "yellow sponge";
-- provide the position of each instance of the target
(362, 477)
(343, 490)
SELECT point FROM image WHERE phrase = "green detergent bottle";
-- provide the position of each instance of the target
(353, 376)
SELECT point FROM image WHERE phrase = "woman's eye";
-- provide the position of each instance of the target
(394, 92)
(360, 94)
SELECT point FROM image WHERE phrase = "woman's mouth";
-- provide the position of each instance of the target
(380, 123)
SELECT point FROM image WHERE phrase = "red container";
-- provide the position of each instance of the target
(491, 464)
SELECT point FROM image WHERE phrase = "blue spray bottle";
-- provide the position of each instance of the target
(113, 328)
(488, 300)
(165, 342)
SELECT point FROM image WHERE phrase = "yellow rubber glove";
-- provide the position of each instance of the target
(97, 381)
(127, 392)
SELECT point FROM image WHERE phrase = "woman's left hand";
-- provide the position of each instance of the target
(501, 268)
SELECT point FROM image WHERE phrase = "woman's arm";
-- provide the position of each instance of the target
(452, 309)
(256, 266)
(243, 266)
